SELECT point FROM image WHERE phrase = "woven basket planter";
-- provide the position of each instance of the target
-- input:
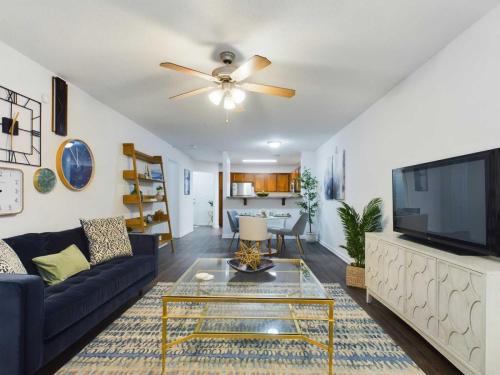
(355, 276)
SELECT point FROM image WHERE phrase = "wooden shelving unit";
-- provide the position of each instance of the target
(132, 175)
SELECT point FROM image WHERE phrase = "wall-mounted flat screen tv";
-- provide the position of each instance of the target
(452, 203)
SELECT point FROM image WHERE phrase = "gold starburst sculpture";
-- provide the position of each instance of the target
(249, 255)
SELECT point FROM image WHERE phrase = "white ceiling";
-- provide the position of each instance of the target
(340, 56)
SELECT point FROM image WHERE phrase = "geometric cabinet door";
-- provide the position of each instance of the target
(461, 311)
(421, 292)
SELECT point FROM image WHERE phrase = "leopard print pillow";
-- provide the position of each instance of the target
(9, 261)
(108, 239)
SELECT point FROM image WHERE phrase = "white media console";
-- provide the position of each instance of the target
(452, 301)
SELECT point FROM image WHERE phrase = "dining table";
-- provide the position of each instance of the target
(268, 217)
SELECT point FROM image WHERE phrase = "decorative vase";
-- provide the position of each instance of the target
(311, 237)
(355, 276)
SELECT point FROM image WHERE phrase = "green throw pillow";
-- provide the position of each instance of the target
(55, 268)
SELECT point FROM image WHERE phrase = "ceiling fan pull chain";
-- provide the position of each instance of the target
(227, 117)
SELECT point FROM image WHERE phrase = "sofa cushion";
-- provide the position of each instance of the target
(68, 302)
(55, 268)
(32, 245)
(27, 247)
(9, 259)
(108, 239)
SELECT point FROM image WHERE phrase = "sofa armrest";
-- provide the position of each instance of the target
(144, 244)
(21, 323)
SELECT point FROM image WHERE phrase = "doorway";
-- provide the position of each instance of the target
(204, 198)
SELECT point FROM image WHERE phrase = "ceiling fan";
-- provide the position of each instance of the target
(229, 86)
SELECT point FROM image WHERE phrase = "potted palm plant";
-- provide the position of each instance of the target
(355, 227)
(309, 203)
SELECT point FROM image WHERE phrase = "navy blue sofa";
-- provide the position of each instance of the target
(38, 322)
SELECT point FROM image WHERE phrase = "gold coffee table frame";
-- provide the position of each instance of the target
(290, 301)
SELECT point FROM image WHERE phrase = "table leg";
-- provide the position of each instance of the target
(164, 337)
(330, 338)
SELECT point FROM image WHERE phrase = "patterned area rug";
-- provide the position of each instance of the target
(131, 345)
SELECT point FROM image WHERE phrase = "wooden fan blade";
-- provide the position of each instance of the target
(251, 66)
(266, 89)
(192, 93)
(183, 69)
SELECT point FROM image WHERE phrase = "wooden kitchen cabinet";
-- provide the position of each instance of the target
(271, 183)
(282, 182)
(249, 177)
(237, 177)
(259, 182)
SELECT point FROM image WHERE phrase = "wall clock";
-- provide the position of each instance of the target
(11, 191)
(44, 180)
(21, 132)
(75, 164)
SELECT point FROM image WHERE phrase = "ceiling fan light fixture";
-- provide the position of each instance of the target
(216, 96)
(238, 95)
(274, 144)
(229, 103)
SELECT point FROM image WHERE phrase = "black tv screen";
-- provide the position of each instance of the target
(450, 202)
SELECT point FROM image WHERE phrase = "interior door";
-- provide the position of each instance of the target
(203, 189)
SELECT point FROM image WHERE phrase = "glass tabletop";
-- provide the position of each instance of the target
(289, 278)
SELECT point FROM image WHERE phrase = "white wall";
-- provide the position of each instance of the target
(212, 168)
(104, 130)
(450, 106)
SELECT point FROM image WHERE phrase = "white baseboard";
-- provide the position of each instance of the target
(337, 252)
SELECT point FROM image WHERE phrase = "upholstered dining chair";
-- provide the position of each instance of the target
(297, 229)
(254, 230)
(233, 224)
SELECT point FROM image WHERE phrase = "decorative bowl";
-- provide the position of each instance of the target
(262, 194)
(264, 265)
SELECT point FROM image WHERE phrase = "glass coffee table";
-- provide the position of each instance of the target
(274, 304)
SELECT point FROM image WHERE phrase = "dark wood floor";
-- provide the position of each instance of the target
(206, 242)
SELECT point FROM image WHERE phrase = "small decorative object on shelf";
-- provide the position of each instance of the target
(149, 219)
(159, 193)
(156, 174)
(158, 215)
(44, 180)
